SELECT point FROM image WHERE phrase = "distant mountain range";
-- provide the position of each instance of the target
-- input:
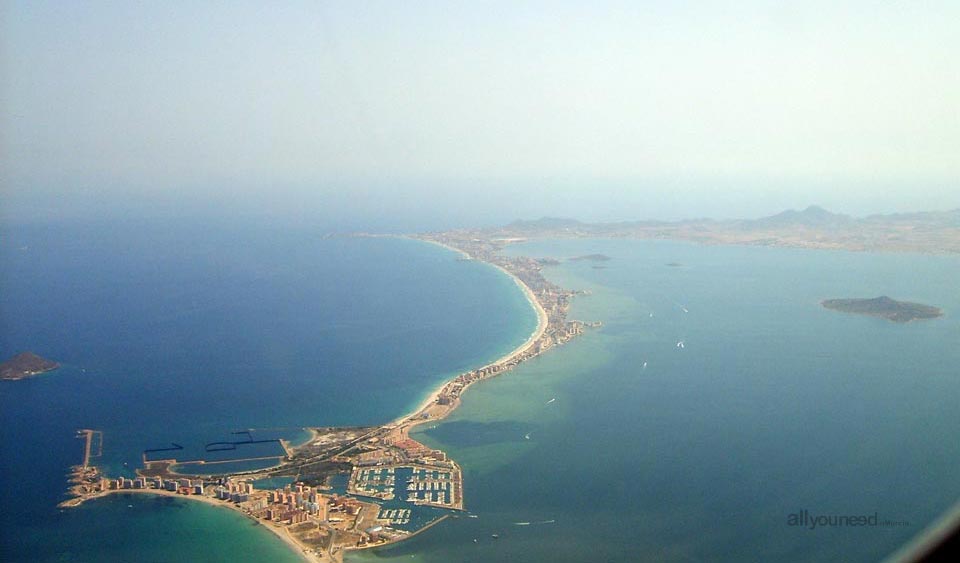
(813, 227)
(813, 216)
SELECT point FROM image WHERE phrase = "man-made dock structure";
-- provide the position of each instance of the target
(93, 446)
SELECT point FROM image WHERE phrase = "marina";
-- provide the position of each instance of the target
(424, 485)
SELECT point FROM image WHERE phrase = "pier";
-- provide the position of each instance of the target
(93, 445)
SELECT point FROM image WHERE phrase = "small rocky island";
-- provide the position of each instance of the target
(25, 364)
(591, 258)
(884, 308)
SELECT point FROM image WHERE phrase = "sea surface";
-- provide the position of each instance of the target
(619, 446)
(623, 446)
(187, 331)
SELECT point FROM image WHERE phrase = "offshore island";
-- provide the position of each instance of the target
(382, 462)
(885, 308)
(24, 365)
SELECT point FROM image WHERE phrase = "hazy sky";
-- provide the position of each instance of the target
(597, 110)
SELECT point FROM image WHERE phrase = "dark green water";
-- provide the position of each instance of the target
(774, 405)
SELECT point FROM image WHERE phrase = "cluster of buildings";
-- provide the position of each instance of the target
(397, 449)
(292, 504)
(182, 486)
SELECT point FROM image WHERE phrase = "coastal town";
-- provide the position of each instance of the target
(386, 466)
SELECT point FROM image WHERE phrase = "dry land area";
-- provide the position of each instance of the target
(25, 364)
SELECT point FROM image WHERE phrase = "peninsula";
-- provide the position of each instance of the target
(885, 308)
(25, 364)
(318, 523)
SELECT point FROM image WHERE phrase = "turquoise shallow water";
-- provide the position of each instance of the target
(189, 331)
(124, 528)
(774, 405)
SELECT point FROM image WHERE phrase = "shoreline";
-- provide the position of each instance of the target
(403, 424)
(281, 533)
(537, 333)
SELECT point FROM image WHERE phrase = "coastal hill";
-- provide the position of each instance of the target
(813, 227)
(25, 364)
(884, 308)
(813, 216)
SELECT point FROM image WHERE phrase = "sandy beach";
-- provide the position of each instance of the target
(281, 532)
(534, 336)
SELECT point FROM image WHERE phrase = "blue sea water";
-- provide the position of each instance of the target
(623, 446)
(187, 331)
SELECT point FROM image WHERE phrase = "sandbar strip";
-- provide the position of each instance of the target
(534, 336)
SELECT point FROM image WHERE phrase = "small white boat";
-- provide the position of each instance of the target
(680, 344)
(551, 400)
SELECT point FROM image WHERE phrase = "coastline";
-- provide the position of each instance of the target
(400, 427)
(281, 533)
(439, 534)
(537, 333)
